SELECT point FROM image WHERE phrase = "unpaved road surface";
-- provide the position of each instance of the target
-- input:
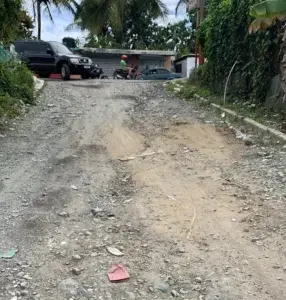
(197, 214)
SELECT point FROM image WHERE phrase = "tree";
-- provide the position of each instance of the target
(70, 42)
(37, 5)
(179, 37)
(181, 3)
(97, 15)
(11, 12)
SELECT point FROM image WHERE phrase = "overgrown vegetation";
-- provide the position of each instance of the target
(226, 40)
(16, 88)
(187, 90)
(16, 81)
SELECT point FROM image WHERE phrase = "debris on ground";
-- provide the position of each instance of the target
(114, 251)
(100, 213)
(9, 254)
(118, 273)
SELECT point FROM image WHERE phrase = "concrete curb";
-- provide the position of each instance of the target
(255, 125)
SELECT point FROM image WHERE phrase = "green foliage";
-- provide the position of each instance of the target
(14, 22)
(16, 87)
(148, 35)
(94, 15)
(225, 37)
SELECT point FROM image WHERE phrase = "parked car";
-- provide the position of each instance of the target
(45, 58)
(160, 74)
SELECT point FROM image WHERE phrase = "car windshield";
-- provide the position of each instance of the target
(60, 48)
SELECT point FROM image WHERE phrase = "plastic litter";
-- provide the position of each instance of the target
(117, 273)
(9, 254)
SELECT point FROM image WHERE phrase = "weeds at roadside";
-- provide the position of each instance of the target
(16, 88)
(187, 91)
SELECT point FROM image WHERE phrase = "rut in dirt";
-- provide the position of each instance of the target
(121, 173)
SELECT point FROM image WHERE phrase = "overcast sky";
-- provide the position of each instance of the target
(56, 31)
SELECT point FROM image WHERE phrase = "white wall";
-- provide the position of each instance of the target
(188, 65)
(191, 62)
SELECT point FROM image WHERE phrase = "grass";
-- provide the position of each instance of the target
(261, 114)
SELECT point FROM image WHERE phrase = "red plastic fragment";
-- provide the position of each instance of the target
(117, 273)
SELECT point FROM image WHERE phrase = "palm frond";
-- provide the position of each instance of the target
(179, 4)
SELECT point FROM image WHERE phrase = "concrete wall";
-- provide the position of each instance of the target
(188, 64)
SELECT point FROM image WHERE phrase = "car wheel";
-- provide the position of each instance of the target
(65, 72)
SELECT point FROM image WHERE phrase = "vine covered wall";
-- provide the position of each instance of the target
(226, 39)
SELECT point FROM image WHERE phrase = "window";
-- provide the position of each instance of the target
(153, 71)
(178, 68)
(60, 48)
(163, 71)
(31, 47)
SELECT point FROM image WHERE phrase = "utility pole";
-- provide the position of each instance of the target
(199, 6)
(202, 16)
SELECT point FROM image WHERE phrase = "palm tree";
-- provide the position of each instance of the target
(94, 15)
(37, 5)
(181, 3)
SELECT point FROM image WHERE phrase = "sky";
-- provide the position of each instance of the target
(56, 31)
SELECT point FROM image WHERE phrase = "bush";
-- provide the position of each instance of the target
(16, 88)
(226, 40)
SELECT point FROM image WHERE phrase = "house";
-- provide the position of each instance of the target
(185, 64)
(109, 59)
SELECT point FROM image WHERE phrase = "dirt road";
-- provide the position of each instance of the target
(196, 214)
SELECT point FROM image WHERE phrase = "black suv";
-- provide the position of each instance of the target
(45, 58)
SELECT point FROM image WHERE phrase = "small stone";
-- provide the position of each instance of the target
(24, 293)
(248, 142)
(87, 233)
(162, 286)
(63, 214)
(27, 277)
(76, 271)
(20, 274)
(182, 291)
(181, 250)
(233, 220)
(151, 289)
(255, 239)
(76, 257)
(50, 105)
(175, 294)
(23, 285)
(198, 279)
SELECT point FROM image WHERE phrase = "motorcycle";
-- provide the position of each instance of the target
(98, 73)
(135, 74)
(120, 74)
